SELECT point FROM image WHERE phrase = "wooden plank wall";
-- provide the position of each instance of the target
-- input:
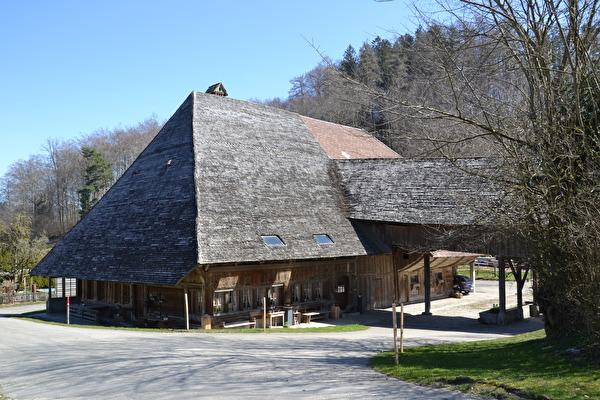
(375, 280)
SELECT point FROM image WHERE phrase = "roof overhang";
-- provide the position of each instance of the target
(442, 259)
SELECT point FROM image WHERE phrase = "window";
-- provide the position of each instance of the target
(246, 298)
(296, 293)
(323, 239)
(318, 290)
(272, 240)
(261, 293)
(223, 301)
(307, 291)
(196, 300)
(275, 295)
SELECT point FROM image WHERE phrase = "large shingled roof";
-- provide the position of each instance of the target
(221, 173)
(424, 191)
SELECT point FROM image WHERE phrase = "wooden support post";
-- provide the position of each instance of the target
(501, 290)
(395, 326)
(472, 275)
(145, 297)
(264, 314)
(427, 283)
(186, 309)
(401, 327)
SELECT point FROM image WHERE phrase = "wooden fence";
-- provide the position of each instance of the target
(23, 297)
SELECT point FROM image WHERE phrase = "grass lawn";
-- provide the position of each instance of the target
(526, 366)
(485, 273)
(333, 328)
(21, 304)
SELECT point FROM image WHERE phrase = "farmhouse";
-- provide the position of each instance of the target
(235, 204)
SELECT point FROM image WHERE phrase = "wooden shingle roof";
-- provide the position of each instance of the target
(425, 191)
(344, 142)
(219, 175)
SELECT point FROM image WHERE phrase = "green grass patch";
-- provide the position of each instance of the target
(41, 310)
(21, 304)
(484, 273)
(526, 366)
(333, 328)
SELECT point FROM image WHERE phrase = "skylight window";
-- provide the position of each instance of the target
(323, 239)
(272, 240)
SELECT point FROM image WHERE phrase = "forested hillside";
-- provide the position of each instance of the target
(369, 88)
(48, 187)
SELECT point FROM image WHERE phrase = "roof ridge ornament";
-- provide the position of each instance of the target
(217, 89)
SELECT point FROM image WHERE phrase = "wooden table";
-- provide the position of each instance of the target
(275, 315)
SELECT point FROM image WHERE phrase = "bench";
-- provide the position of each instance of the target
(237, 321)
(317, 314)
(240, 324)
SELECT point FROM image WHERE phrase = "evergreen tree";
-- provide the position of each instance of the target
(387, 61)
(368, 67)
(97, 178)
(349, 64)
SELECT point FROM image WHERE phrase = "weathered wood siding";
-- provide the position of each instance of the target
(375, 276)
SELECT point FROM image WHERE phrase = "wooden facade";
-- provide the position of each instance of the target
(354, 284)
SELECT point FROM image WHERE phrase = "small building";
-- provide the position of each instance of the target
(234, 204)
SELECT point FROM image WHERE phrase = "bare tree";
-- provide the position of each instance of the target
(64, 174)
(45, 186)
(19, 250)
(521, 79)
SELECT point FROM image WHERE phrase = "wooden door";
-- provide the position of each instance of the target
(341, 291)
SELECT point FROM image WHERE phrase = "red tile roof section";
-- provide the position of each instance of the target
(344, 142)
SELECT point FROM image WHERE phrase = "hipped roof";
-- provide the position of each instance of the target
(221, 173)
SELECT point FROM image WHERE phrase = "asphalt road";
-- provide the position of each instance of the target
(41, 361)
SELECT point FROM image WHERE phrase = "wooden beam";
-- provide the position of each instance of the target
(501, 290)
(186, 309)
(427, 283)
(276, 265)
(472, 275)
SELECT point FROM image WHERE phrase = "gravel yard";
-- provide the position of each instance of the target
(58, 361)
(484, 297)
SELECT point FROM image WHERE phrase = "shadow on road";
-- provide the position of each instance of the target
(383, 319)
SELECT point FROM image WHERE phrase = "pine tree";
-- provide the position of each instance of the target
(97, 178)
(349, 63)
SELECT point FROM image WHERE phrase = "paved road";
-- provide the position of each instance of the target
(41, 361)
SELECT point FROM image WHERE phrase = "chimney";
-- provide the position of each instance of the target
(217, 89)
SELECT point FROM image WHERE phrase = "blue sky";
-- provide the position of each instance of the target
(69, 68)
